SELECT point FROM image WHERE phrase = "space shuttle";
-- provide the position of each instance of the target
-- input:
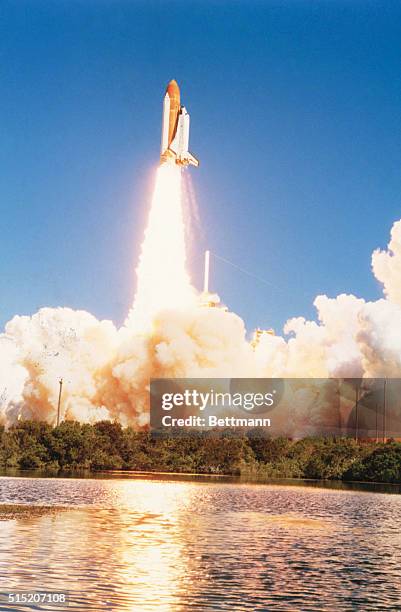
(175, 130)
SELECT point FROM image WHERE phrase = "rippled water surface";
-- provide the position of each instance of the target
(149, 544)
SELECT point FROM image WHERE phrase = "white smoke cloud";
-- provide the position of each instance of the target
(379, 339)
(106, 371)
(386, 265)
(327, 347)
(12, 377)
(52, 344)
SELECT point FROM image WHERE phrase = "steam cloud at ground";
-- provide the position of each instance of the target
(167, 333)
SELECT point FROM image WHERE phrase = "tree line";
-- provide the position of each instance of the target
(107, 446)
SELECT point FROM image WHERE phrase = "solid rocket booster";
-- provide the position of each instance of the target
(175, 129)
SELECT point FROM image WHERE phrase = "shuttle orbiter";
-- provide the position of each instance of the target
(175, 129)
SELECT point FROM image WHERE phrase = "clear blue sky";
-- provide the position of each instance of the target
(296, 118)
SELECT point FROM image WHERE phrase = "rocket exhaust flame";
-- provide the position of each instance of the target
(162, 280)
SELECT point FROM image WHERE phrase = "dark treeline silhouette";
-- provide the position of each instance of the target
(106, 445)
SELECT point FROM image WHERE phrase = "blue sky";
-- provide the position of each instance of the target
(295, 110)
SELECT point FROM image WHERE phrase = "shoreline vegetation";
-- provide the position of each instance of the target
(73, 446)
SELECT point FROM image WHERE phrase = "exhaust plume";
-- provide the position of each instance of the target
(162, 279)
(167, 333)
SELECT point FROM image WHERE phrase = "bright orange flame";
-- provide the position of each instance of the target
(162, 280)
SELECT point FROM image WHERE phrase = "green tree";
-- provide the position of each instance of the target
(268, 450)
(381, 465)
(331, 458)
(72, 445)
(9, 450)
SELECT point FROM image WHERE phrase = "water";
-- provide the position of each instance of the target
(180, 545)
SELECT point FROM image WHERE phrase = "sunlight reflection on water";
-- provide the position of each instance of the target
(143, 545)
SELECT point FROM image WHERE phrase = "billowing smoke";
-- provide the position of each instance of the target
(105, 371)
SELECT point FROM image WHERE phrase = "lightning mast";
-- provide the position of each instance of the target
(206, 273)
